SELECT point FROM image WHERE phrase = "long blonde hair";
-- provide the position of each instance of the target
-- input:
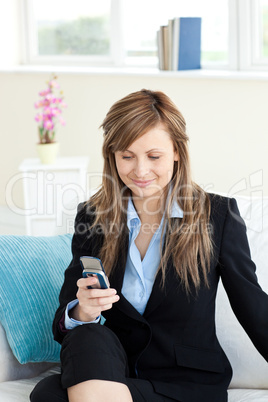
(187, 240)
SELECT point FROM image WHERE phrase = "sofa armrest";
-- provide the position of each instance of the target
(11, 369)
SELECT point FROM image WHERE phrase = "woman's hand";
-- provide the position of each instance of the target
(92, 301)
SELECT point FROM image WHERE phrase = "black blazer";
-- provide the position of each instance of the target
(174, 344)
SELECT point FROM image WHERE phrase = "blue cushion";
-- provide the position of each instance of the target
(31, 275)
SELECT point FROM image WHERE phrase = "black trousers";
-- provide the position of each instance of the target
(92, 351)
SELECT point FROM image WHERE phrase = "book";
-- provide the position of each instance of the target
(175, 43)
(170, 43)
(160, 49)
(179, 44)
(188, 54)
(163, 47)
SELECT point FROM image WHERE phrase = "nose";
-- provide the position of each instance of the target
(141, 169)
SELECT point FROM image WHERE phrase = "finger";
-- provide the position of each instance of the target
(94, 307)
(96, 293)
(106, 307)
(102, 301)
(85, 282)
(87, 295)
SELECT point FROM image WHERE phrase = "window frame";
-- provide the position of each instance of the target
(30, 42)
(242, 42)
(249, 44)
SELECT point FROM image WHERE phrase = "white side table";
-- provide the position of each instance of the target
(52, 192)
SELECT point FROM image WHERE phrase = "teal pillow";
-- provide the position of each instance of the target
(31, 275)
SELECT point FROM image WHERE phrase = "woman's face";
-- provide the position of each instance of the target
(146, 167)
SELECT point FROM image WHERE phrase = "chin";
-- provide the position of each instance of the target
(146, 193)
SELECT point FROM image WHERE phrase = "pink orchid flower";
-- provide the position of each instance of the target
(45, 92)
(53, 84)
(39, 117)
(50, 106)
(48, 125)
(62, 121)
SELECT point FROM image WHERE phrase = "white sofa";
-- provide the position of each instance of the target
(250, 377)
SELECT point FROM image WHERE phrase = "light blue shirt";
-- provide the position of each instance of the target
(139, 274)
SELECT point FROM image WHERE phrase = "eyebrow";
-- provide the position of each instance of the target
(151, 150)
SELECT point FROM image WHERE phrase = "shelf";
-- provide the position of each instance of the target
(138, 71)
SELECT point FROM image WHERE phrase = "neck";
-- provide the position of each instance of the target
(150, 209)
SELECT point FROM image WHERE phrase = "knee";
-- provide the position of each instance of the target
(92, 343)
(81, 338)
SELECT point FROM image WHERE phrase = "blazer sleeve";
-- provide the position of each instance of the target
(238, 272)
(84, 242)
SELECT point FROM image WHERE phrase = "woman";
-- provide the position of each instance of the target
(164, 243)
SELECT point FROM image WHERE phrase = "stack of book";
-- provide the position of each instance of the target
(179, 44)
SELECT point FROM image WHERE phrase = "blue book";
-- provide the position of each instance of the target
(187, 43)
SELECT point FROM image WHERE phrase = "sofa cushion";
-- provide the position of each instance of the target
(250, 370)
(19, 391)
(247, 395)
(32, 270)
(11, 369)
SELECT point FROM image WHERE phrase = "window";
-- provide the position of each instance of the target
(264, 29)
(253, 34)
(63, 29)
(123, 32)
(119, 32)
(139, 28)
(68, 31)
(260, 30)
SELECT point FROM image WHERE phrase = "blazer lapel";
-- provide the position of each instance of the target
(116, 282)
(172, 292)
(172, 296)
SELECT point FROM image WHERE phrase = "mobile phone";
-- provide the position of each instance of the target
(92, 267)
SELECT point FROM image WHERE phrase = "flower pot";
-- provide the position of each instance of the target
(48, 152)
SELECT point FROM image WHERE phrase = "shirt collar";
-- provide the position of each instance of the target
(176, 211)
(134, 220)
(132, 216)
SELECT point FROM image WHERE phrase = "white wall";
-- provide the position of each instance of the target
(10, 32)
(227, 124)
(227, 118)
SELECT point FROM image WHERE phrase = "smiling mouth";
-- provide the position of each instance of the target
(142, 183)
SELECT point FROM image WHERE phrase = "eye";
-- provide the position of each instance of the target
(154, 157)
(126, 157)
